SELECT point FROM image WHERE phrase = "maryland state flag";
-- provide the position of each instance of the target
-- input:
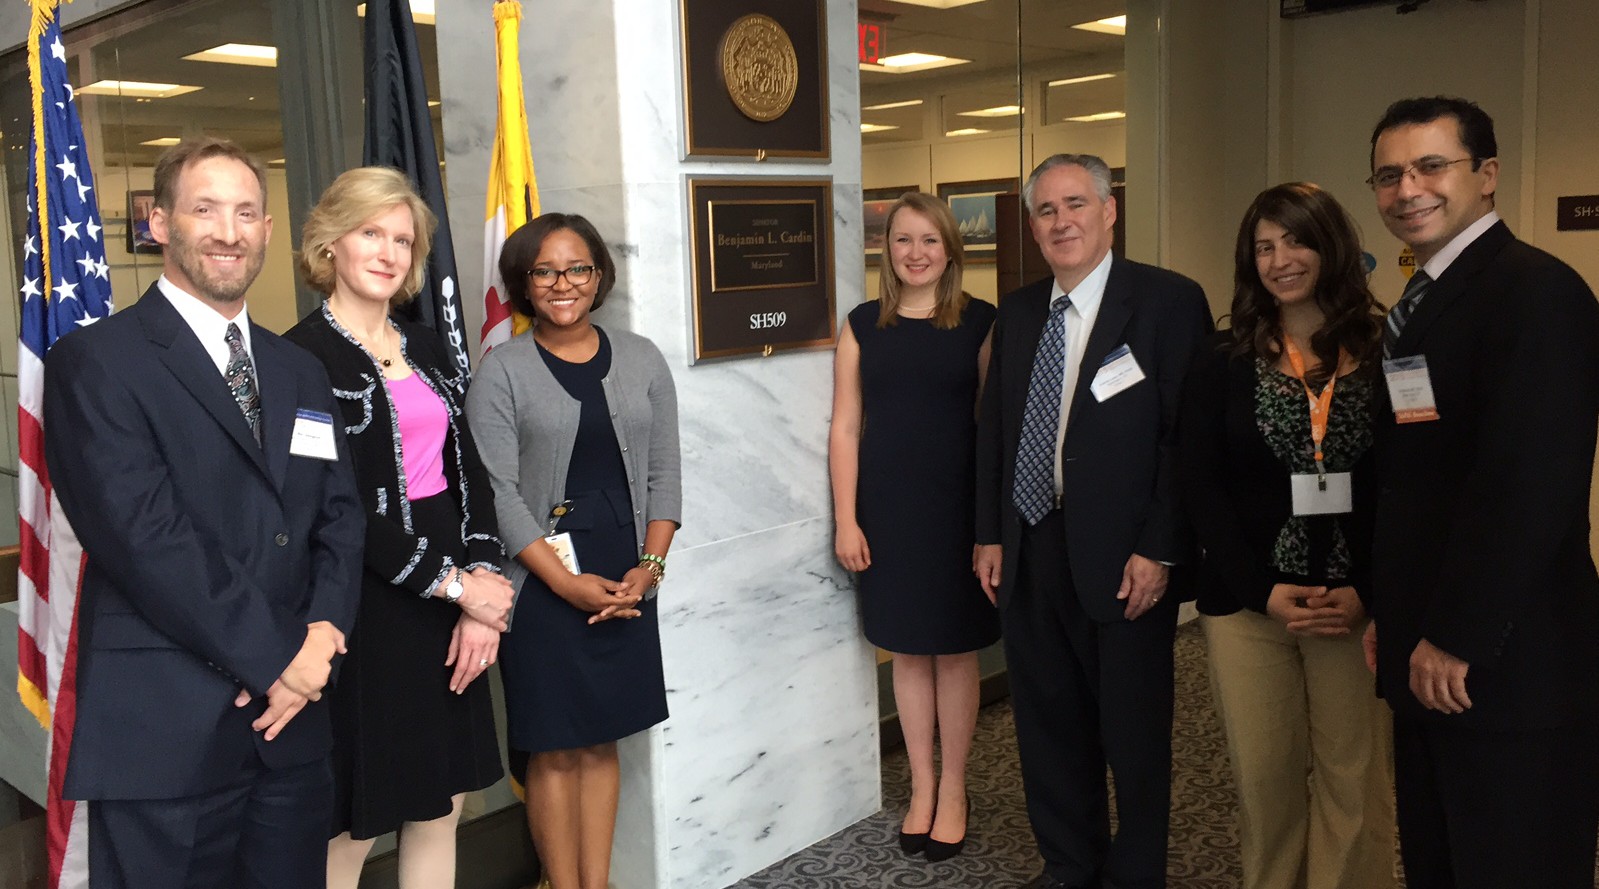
(513, 194)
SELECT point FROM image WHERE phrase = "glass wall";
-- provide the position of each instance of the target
(968, 95)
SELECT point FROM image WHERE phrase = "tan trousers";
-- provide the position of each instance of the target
(1312, 752)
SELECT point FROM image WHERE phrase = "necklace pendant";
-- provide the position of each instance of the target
(386, 362)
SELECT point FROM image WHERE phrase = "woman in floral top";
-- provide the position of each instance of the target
(1276, 442)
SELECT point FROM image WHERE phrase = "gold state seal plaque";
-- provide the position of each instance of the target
(759, 67)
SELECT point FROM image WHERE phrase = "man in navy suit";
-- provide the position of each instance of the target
(197, 458)
(1484, 595)
(1078, 528)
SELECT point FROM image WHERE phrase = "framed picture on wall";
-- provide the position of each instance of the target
(140, 203)
(973, 204)
(875, 203)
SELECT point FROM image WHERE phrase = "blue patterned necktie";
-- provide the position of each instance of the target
(1415, 289)
(1034, 489)
(241, 381)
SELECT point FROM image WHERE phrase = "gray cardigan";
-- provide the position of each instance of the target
(525, 424)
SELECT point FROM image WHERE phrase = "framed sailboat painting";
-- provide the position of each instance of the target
(973, 204)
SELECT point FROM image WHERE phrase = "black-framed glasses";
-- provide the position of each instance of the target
(1427, 168)
(576, 276)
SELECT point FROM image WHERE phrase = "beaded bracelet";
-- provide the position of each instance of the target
(655, 565)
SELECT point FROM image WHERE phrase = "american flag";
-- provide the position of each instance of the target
(65, 285)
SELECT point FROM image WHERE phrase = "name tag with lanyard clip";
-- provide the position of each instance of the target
(1320, 492)
(562, 542)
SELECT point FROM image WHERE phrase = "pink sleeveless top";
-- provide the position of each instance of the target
(423, 426)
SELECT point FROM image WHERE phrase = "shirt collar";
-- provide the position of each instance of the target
(1446, 257)
(206, 322)
(1088, 292)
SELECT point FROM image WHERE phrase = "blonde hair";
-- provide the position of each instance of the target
(353, 198)
(949, 299)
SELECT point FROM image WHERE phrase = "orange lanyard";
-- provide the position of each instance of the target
(1320, 405)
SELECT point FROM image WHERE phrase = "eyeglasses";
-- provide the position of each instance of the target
(1427, 168)
(576, 276)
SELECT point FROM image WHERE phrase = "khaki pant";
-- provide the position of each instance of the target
(1311, 749)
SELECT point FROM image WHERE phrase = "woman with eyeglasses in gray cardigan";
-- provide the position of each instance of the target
(577, 426)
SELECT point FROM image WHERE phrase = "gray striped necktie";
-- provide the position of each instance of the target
(1415, 289)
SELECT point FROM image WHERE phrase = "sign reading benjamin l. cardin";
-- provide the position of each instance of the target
(763, 265)
(755, 78)
(759, 67)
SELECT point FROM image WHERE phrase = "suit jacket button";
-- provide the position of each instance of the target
(281, 539)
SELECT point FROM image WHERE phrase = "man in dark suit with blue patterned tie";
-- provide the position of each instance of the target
(1078, 528)
(195, 455)
(1484, 595)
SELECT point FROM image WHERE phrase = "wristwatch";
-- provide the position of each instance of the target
(453, 589)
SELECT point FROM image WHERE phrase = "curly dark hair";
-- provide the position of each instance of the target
(1353, 315)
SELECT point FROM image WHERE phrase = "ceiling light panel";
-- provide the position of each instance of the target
(889, 105)
(1096, 118)
(996, 111)
(1087, 78)
(1114, 25)
(238, 54)
(910, 62)
(135, 89)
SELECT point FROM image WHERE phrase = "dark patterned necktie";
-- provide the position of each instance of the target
(1034, 490)
(241, 381)
(1415, 289)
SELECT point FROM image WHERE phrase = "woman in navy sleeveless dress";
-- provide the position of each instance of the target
(902, 453)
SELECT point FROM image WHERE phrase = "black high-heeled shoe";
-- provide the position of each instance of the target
(936, 850)
(914, 843)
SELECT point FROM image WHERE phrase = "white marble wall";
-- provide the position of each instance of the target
(772, 743)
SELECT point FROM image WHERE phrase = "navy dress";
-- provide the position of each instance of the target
(569, 684)
(917, 482)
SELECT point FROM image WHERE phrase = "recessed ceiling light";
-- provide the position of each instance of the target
(939, 4)
(238, 54)
(276, 162)
(968, 131)
(434, 103)
(422, 11)
(1084, 79)
(162, 142)
(996, 111)
(887, 105)
(135, 89)
(1094, 118)
(876, 127)
(1116, 24)
(908, 62)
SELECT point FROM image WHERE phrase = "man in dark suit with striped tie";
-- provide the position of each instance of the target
(1079, 526)
(196, 455)
(1485, 597)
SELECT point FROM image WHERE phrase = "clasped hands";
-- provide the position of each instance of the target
(1315, 610)
(1143, 580)
(302, 680)
(606, 599)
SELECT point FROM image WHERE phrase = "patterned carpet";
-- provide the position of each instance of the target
(999, 851)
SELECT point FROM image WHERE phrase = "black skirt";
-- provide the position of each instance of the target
(568, 684)
(403, 743)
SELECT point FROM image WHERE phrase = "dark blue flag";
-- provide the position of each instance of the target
(399, 133)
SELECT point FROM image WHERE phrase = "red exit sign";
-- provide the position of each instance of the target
(871, 42)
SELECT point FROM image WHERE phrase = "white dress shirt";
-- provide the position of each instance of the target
(1086, 297)
(208, 324)
(1446, 257)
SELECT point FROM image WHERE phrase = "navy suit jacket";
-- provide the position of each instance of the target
(1120, 461)
(207, 554)
(1482, 541)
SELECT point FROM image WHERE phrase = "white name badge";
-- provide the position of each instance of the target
(1311, 499)
(1117, 373)
(1410, 389)
(562, 544)
(313, 436)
